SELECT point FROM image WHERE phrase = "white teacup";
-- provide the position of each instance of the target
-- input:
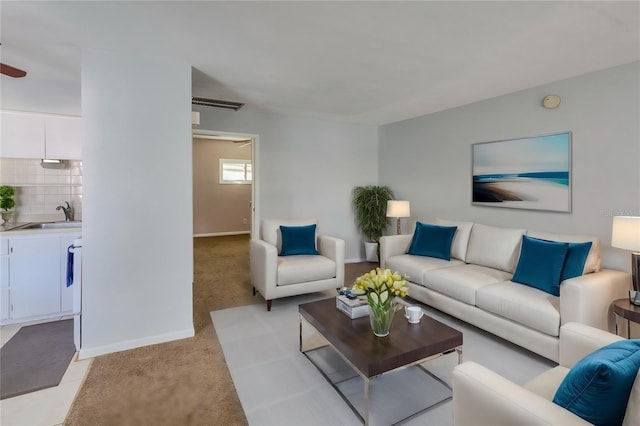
(413, 314)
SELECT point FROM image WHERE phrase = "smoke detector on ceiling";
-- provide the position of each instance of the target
(551, 101)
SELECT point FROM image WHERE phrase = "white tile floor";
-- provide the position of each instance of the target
(47, 407)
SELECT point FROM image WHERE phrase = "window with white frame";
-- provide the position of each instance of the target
(235, 171)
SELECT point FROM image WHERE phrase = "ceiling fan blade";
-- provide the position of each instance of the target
(11, 71)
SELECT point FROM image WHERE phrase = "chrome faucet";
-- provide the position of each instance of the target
(68, 212)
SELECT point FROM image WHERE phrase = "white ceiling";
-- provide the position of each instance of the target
(363, 62)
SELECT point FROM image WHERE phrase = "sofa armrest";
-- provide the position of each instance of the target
(579, 340)
(263, 259)
(587, 299)
(333, 248)
(393, 245)
(482, 397)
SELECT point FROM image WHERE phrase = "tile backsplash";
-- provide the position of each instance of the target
(39, 191)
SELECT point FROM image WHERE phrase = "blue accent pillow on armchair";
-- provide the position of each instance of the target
(540, 264)
(598, 386)
(298, 240)
(432, 240)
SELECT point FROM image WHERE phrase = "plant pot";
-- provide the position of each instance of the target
(371, 251)
(6, 216)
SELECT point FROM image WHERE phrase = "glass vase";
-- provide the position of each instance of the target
(381, 317)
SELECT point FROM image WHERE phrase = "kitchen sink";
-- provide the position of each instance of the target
(53, 225)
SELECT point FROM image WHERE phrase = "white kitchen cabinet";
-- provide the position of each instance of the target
(62, 137)
(31, 135)
(22, 135)
(4, 288)
(4, 279)
(34, 277)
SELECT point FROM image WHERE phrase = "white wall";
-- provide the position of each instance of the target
(427, 160)
(306, 168)
(137, 218)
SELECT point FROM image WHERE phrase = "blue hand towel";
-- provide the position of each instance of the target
(70, 265)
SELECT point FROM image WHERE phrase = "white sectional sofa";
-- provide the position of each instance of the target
(475, 285)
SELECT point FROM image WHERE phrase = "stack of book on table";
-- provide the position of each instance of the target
(353, 308)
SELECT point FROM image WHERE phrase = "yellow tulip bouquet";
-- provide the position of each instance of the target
(381, 287)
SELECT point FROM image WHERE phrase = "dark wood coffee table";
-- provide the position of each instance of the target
(370, 356)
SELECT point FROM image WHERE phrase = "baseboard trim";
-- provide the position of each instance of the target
(355, 260)
(135, 343)
(221, 234)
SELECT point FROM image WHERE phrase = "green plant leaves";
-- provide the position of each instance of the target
(370, 205)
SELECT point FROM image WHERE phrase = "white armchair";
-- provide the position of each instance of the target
(482, 397)
(275, 276)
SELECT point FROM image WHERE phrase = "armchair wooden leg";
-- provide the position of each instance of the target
(254, 291)
(269, 305)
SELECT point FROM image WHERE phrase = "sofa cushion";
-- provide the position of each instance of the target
(576, 258)
(540, 264)
(461, 282)
(304, 268)
(415, 266)
(522, 304)
(432, 240)
(592, 263)
(461, 239)
(494, 247)
(598, 386)
(297, 240)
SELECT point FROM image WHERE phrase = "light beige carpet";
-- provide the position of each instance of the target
(185, 382)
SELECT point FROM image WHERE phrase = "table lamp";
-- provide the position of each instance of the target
(398, 209)
(626, 235)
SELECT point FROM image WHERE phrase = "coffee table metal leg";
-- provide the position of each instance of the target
(367, 402)
(459, 352)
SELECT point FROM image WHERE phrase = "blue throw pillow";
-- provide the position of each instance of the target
(540, 264)
(576, 258)
(432, 240)
(597, 388)
(298, 240)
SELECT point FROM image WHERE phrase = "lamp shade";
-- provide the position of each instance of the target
(626, 233)
(397, 208)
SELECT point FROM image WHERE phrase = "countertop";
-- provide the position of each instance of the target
(12, 229)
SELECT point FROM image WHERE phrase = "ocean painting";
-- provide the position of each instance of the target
(526, 173)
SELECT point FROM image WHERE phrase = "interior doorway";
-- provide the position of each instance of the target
(218, 175)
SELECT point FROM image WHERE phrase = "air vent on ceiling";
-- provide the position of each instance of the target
(217, 103)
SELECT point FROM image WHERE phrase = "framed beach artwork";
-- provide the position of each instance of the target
(526, 173)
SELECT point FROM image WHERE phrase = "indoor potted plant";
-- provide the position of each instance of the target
(370, 204)
(6, 202)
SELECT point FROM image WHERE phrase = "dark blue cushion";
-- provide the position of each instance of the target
(540, 264)
(298, 240)
(575, 260)
(432, 240)
(597, 388)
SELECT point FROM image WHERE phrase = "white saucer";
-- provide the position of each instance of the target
(412, 322)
